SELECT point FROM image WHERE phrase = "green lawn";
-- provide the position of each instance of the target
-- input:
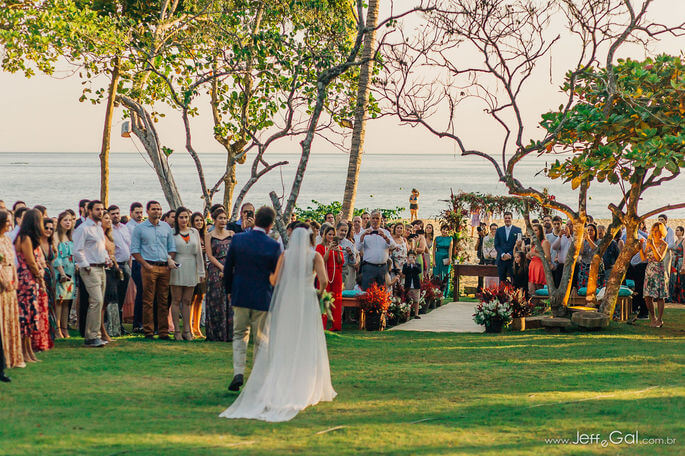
(398, 393)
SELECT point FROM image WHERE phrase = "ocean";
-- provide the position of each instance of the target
(59, 180)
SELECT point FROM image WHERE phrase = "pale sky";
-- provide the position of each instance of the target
(42, 114)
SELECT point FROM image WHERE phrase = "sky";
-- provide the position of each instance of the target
(43, 114)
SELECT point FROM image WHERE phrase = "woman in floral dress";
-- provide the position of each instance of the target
(31, 294)
(9, 309)
(655, 291)
(219, 318)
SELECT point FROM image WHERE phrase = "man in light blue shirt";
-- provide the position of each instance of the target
(153, 246)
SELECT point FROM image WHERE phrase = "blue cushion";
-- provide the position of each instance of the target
(582, 291)
(351, 293)
(630, 284)
(625, 291)
(542, 292)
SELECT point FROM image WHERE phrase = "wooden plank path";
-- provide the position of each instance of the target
(454, 317)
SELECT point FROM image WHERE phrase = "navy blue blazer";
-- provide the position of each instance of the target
(250, 260)
(504, 245)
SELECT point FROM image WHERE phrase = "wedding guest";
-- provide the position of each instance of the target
(198, 222)
(586, 255)
(153, 246)
(110, 320)
(670, 238)
(398, 255)
(333, 258)
(121, 236)
(82, 212)
(18, 216)
(218, 308)
(366, 220)
(329, 218)
(375, 244)
(520, 274)
(559, 252)
(636, 272)
(655, 291)
(246, 221)
(350, 257)
(47, 246)
(43, 210)
(10, 330)
(412, 282)
(17, 205)
(489, 255)
(611, 253)
(65, 268)
(413, 205)
(357, 229)
(136, 212)
(557, 224)
(31, 294)
(90, 252)
(429, 235)
(421, 248)
(536, 270)
(189, 272)
(442, 251)
(170, 218)
(677, 284)
(475, 218)
(505, 239)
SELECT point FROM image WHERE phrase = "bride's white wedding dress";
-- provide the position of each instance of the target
(291, 370)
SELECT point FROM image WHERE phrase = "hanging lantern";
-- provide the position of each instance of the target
(126, 129)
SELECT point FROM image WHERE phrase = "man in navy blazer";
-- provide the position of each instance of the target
(505, 240)
(250, 261)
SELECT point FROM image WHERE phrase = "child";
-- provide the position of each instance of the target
(475, 218)
(414, 205)
(412, 281)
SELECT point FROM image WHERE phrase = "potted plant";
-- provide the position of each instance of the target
(398, 311)
(494, 315)
(374, 303)
(521, 307)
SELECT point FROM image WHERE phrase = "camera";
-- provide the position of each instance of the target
(374, 232)
(249, 214)
(412, 236)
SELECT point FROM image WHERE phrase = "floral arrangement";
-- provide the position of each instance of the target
(398, 310)
(326, 302)
(376, 299)
(493, 313)
(431, 291)
(521, 306)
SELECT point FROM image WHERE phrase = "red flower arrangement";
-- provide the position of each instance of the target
(431, 290)
(505, 293)
(376, 299)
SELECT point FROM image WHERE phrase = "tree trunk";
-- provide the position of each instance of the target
(359, 129)
(107, 134)
(144, 129)
(230, 180)
(618, 272)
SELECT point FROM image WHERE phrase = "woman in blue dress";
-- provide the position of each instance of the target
(64, 267)
(442, 257)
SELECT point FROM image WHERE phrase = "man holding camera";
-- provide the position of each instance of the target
(375, 244)
(246, 221)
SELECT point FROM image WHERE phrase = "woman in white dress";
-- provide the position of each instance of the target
(190, 271)
(291, 370)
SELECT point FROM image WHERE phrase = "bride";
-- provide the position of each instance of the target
(291, 370)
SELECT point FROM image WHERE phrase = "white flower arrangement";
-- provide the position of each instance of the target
(491, 312)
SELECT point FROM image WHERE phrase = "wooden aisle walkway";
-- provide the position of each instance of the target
(453, 317)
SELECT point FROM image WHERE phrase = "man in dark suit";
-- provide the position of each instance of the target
(505, 240)
(250, 262)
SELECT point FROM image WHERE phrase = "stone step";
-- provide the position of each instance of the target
(590, 320)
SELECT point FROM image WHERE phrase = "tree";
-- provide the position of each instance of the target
(632, 136)
(511, 39)
(360, 112)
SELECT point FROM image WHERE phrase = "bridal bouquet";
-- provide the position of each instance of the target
(326, 302)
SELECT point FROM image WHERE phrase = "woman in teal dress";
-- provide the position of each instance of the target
(64, 267)
(442, 257)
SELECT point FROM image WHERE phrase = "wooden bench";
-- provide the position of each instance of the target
(354, 303)
(472, 270)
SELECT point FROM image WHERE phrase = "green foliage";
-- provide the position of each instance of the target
(319, 210)
(638, 132)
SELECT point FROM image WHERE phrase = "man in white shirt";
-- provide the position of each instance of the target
(375, 244)
(136, 217)
(91, 257)
(122, 255)
(559, 250)
(357, 228)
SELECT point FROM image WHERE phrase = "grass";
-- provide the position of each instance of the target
(398, 393)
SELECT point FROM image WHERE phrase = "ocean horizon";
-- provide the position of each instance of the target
(59, 180)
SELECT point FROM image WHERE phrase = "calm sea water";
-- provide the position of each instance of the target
(59, 180)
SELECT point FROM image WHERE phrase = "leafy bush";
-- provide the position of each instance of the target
(318, 210)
